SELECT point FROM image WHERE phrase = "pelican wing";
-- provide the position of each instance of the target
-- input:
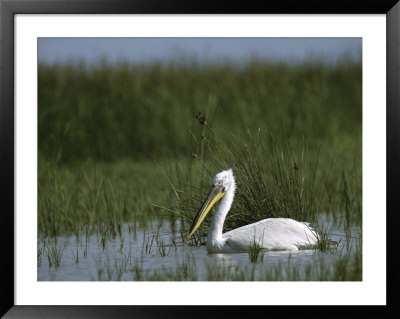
(271, 234)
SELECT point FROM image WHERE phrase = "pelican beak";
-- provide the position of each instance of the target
(216, 193)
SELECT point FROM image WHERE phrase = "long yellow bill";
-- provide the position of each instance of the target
(216, 193)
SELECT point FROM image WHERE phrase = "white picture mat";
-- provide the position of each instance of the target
(372, 290)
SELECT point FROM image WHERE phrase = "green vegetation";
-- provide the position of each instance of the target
(139, 144)
(53, 251)
(111, 112)
(97, 197)
(255, 252)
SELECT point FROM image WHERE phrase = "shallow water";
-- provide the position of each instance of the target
(158, 254)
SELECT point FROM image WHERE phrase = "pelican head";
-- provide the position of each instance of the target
(223, 183)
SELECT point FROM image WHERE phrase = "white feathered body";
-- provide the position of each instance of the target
(270, 234)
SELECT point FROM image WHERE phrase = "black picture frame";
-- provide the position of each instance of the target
(8, 10)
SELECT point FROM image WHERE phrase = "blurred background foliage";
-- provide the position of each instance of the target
(108, 112)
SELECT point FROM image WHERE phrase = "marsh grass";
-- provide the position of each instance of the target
(96, 198)
(123, 260)
(324, 241)
(54, 252)
(185, 270)
(147, 243)
(128, 144)
(255, 252)
(40, 252)
(75, 256)
(163, 248)
(137, 270)
(113, 268)
(229, 273)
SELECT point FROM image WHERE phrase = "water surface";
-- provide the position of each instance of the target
(157, 253)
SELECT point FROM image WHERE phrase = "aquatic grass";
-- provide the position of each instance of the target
(121, 244)
(255, 252)
(85, 251)
(173, 242)
(75, 256)
(352, 197)
(324, 241)
(54, 252)
(114, 268)
(147, 243)
(121, 266)
(162, 247)
(96, 198)
(137, 270)
(197, 239)
(40, 251)
(185, 270)
(128, 263)
(281, 272)
(346, 267)
(224, 272)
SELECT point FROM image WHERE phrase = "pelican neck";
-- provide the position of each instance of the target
(217, 223)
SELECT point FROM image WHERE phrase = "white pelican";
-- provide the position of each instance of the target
(270, 233)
